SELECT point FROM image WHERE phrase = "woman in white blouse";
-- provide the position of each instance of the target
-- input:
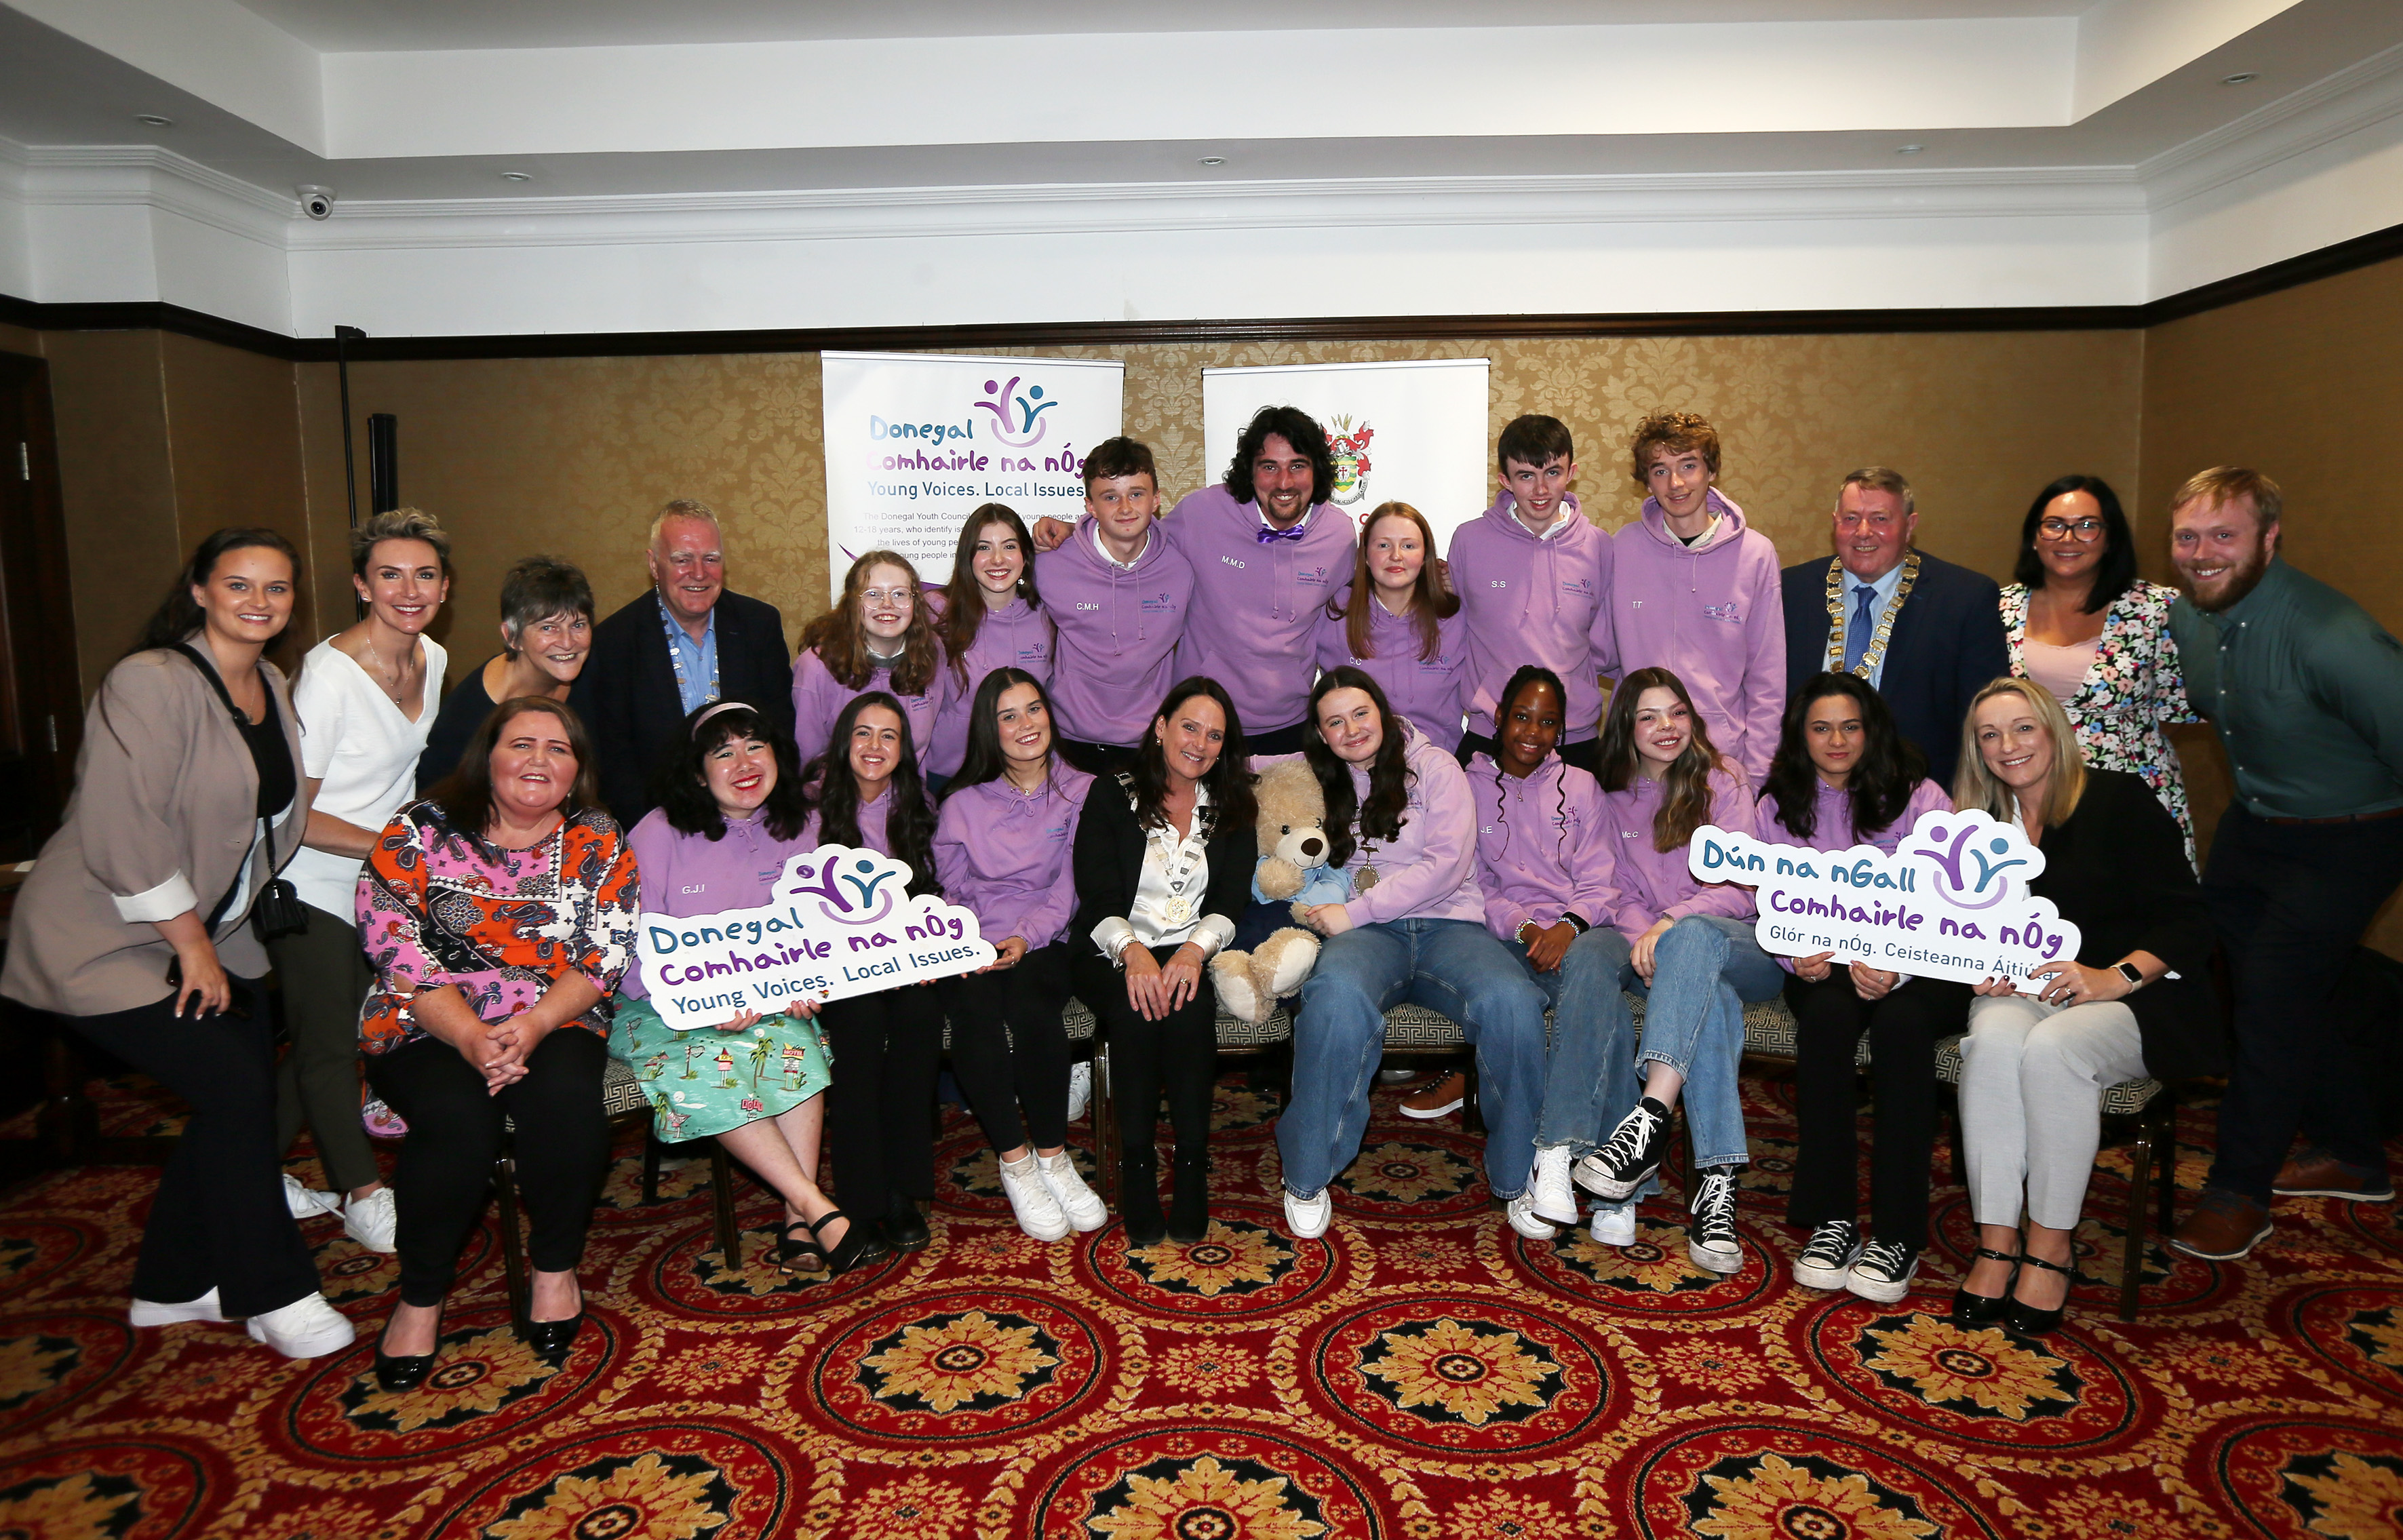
(366, 699)
(1163, 863)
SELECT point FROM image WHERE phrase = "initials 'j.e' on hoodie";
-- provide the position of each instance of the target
(1713, 614)
(1532, 599)
(1117, 628)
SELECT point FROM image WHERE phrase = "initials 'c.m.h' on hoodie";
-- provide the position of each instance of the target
(1114, 654)
(1533, 599)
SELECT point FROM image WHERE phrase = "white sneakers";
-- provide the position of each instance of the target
(1523, 1218)
(307, 1202)
(1080, 1087)
(1307, 1218)
(145, 1313)
(1612, 1227)
(1080, 1204)
(372, 1221)
(1550, 1193)
(1038, 1212)
(306, 1329)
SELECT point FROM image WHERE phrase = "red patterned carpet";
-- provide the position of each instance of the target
(1421, 1373)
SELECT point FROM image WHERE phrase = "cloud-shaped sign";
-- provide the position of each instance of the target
(1951, 902)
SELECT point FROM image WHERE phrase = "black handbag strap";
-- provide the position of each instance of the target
(240, 723)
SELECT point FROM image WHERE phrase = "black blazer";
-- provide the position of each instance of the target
(1947, 646)
(2118, 870)
(1109, 865)
(626, 693)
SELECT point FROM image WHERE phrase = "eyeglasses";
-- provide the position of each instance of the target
(2087, 530)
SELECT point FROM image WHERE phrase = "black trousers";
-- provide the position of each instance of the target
(1904, 1029)
(1292, 740)
(218, 1220)
(560, 1146)
(2289, 903)
(1586, 757)
(325, 975)
(880, 1107)
(1178, 1054)
(1096, 758)
(1009, 1048)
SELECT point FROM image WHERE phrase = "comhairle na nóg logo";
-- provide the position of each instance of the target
(1018, 419)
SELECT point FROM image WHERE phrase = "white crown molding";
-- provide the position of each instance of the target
(1051, 208)
(145, 175)
(2358, 96)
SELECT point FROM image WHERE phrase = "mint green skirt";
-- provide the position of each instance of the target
(706, 1082)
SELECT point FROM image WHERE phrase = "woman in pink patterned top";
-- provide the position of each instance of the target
(498, 914)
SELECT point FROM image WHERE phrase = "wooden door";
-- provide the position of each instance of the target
(41, 698)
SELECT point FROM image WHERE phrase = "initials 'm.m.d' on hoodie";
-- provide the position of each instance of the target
(1713, 614)
(1536, 599)
(1258, 635)
(1117, 629)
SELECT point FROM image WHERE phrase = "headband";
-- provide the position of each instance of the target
(721, 706)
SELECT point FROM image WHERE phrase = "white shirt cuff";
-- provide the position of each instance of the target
(1213, 934)
(1112, 935)
(169, 899)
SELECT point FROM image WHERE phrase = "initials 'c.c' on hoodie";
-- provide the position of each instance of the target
(1532, 599)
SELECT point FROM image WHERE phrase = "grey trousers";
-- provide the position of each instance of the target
(325, 977)
(2031, 1083)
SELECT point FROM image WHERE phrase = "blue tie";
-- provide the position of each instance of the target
(1858, 629)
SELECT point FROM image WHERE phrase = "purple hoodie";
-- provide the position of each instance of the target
(1542, 849)
(1655, 884)
(1019, 637)
(1256, 629)
(871, 823)
(1428, 690)
(690, 874)
(819, 697)
(1713, 614)
(1429, 870)
(1004, 856)
(1117, 629)
(1534, 601)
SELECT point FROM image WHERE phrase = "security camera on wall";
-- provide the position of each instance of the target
(316, 202)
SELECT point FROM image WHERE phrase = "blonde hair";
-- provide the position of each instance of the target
(398, 524)
(682, 507)
(1975, 785)
(2225, 484)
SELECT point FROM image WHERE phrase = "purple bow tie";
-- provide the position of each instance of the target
(1267, 534)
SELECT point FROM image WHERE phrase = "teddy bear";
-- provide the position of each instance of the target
(1291, 827)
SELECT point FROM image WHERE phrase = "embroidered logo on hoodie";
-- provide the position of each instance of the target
(1159, 603)
(1730, 612)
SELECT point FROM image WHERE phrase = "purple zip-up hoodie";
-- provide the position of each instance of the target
(1115, 653)
(688, 874)
(1429, 692)
(1655, 884)
(819, 697)
(1832, 827)
(1019, 637)
(1712, 614)
(1534, 601)
(1255, 631)
(1004, 856)
(1429, 870)
(1542, 849)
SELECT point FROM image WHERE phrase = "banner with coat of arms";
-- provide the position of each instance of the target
(1409, 432)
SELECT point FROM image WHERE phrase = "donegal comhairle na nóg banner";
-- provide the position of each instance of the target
(1951, 902)
(841, 923)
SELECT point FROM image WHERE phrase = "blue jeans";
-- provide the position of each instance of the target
(1448, 965)
(1593, 1038)
(1704, 967)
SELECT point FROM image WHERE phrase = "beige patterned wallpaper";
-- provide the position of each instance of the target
(571, 456)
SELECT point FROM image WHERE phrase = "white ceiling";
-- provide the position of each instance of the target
(342, 26)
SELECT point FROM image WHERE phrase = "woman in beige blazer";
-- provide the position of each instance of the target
(135, 927)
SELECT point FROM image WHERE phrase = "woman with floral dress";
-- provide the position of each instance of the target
(2082, 624)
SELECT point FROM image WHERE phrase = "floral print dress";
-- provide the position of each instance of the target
(440, 906)
(2134, 689)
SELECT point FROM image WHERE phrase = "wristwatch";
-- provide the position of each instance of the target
(2131, 974)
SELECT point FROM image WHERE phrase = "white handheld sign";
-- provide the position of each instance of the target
(1951, 902)
(841, 923)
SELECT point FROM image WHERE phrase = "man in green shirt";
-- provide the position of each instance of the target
(2306, 691)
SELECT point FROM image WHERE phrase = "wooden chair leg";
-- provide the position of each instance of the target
(1105, 1127)
(651, 1147)
(1472, 1111)
(721, 1200)
(513, 1255)
(2165, 1148)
